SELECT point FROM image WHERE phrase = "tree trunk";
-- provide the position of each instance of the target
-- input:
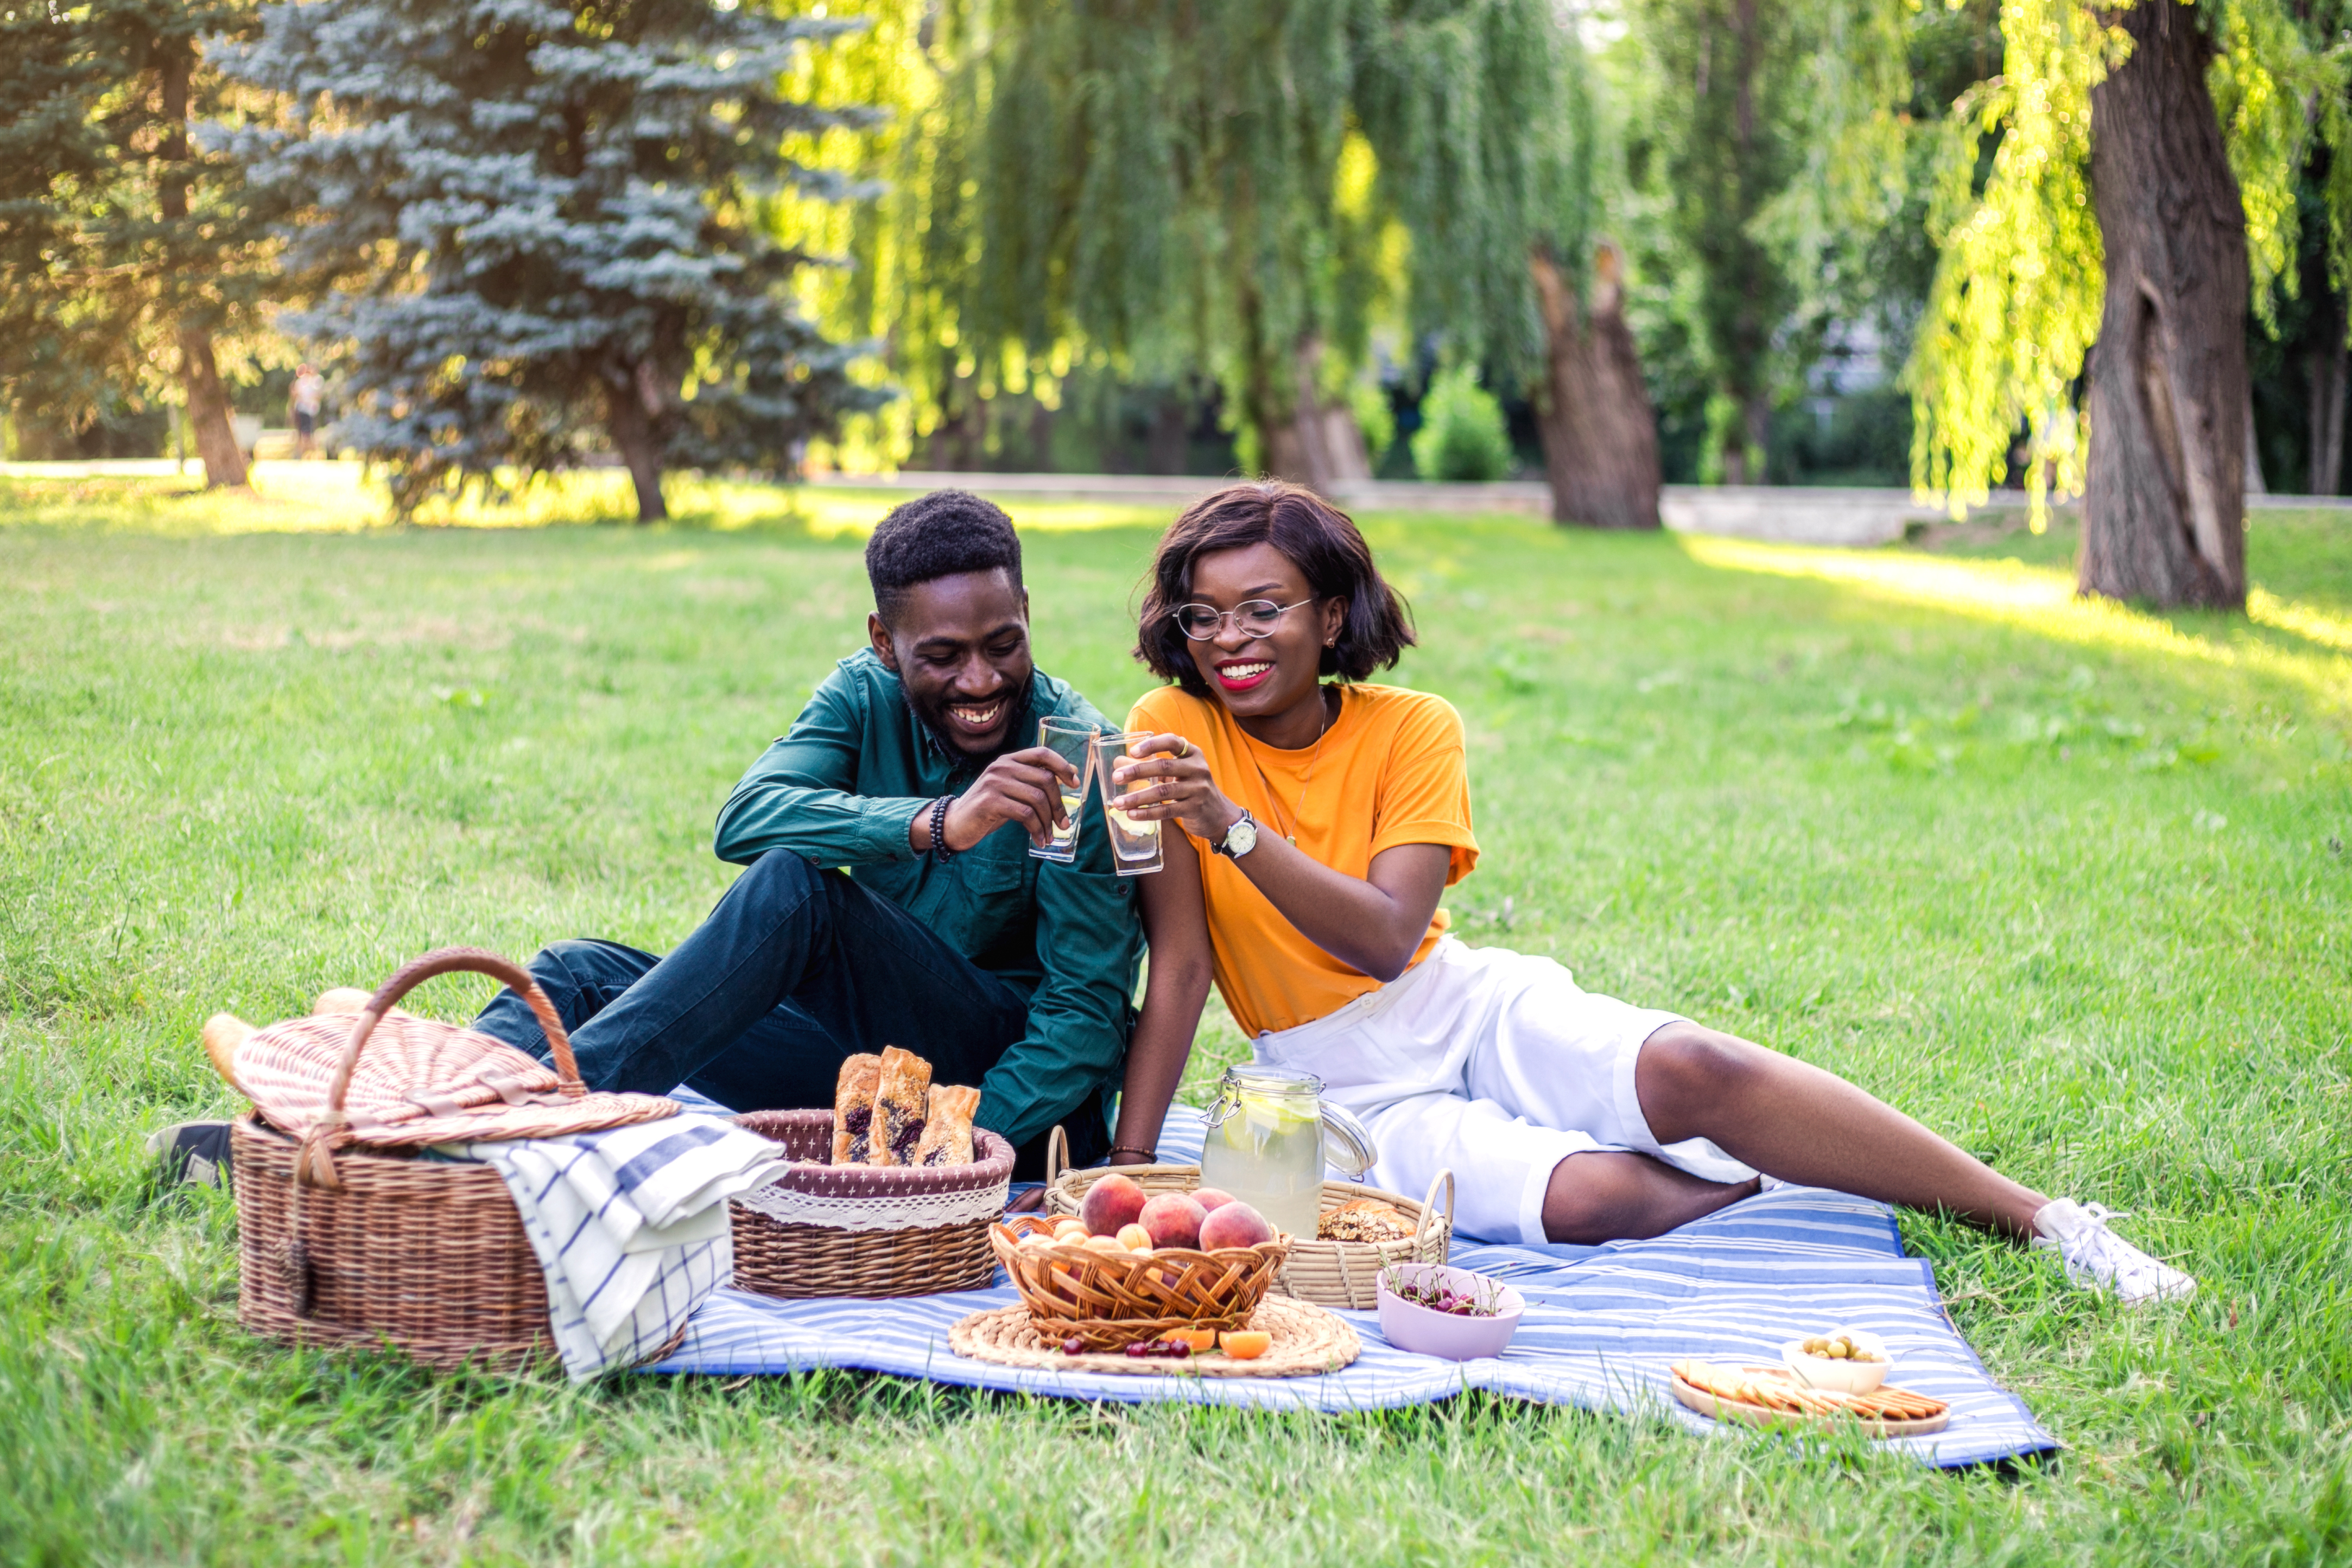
(199, 372)
(2164, 508)
(208, 409)
(1315, 444)
(2254, 485)
(1600, 436)
(631, 426)
(1170, 442)
(2328, 367)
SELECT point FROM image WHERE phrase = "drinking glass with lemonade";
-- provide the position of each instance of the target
(1074, 744)
(1134, 845)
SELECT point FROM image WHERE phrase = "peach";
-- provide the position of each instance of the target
(1233, 1223)
(1134, 1238)
(1113, 1201)
(1173, 1219)
(1210, 1198)
(1247, 1345)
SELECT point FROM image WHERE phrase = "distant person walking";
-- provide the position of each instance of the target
(308, 396)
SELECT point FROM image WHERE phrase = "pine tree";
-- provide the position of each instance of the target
(126, 253)
(546, 228)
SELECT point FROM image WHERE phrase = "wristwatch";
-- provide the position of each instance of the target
(1239, 839)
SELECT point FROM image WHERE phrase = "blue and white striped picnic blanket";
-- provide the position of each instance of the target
(1602, 1326)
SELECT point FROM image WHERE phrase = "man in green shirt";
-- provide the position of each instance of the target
(890, 898)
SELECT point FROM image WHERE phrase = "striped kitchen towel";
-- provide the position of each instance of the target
(629, 1225)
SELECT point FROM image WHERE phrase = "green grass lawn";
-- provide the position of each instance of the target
(2069, 883)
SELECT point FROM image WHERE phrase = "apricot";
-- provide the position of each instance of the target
(1234, 1224)
(1070, 1228)
(1203, 1341)
(1173, 1219)
(1211, 1198)
(1103, 1244)
(1113, 1201)
(1245, 1344)
(1134, 1238)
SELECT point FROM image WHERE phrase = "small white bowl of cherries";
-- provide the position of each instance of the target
(1842, 1360)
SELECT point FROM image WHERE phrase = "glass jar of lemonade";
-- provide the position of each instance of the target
(1267, 1146)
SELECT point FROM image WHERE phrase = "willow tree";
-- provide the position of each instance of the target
(1172, 184)
(128, 253)
(1483, 117)
(2094, 291)
(1766, 138)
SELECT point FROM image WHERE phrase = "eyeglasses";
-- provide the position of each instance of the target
(1255, 617)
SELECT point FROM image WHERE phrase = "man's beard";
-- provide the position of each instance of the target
(932, 717)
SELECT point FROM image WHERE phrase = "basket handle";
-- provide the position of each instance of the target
(1057, 1157)
(1428, 1207)
(314, 1162)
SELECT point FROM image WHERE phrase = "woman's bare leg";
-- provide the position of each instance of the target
(1812, 1128)
(1611, 1196)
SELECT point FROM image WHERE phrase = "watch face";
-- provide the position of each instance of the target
(1241, 837)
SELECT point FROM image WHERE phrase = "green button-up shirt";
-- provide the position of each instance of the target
(844, 787)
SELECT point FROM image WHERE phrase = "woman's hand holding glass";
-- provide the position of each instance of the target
(1181, 788)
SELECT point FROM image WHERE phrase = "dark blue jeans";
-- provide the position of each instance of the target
(796, 970)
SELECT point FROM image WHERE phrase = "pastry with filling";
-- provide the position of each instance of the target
(1364, 1219)
(947, 1130)
(902, 1103)
(853, 1108)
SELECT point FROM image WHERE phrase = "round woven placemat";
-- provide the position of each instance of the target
(1306, 1340)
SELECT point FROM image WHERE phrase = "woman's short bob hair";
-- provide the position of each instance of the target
(1320, 540)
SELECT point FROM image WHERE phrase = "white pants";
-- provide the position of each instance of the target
(1496, 1065)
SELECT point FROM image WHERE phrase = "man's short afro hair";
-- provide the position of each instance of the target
(938, 535)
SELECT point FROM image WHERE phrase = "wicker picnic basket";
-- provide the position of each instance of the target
(1107, 1301)
(1328, 1274)
(822, 1229)
(339, 1246)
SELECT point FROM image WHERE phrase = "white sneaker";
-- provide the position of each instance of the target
(2097, 1259)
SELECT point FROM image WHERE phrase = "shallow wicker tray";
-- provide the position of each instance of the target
(1769, 1419)
(870, 1252)
(1328, 1273)
(1307, 1341)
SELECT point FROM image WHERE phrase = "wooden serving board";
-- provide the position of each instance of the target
(1766, 1418)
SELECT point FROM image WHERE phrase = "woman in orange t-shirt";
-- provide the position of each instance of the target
(1322, 822)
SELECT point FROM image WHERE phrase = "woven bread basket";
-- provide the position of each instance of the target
(822, 1229)
(1328, 1274)
(1111, 1300)
(338, 1247)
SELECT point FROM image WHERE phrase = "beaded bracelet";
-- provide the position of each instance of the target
(940, 850)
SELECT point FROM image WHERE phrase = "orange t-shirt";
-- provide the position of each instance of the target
(1392, 772)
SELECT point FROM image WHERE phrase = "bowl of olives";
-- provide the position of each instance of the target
(1842, 1360)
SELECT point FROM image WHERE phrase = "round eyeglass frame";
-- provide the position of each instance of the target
(1233, 615)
